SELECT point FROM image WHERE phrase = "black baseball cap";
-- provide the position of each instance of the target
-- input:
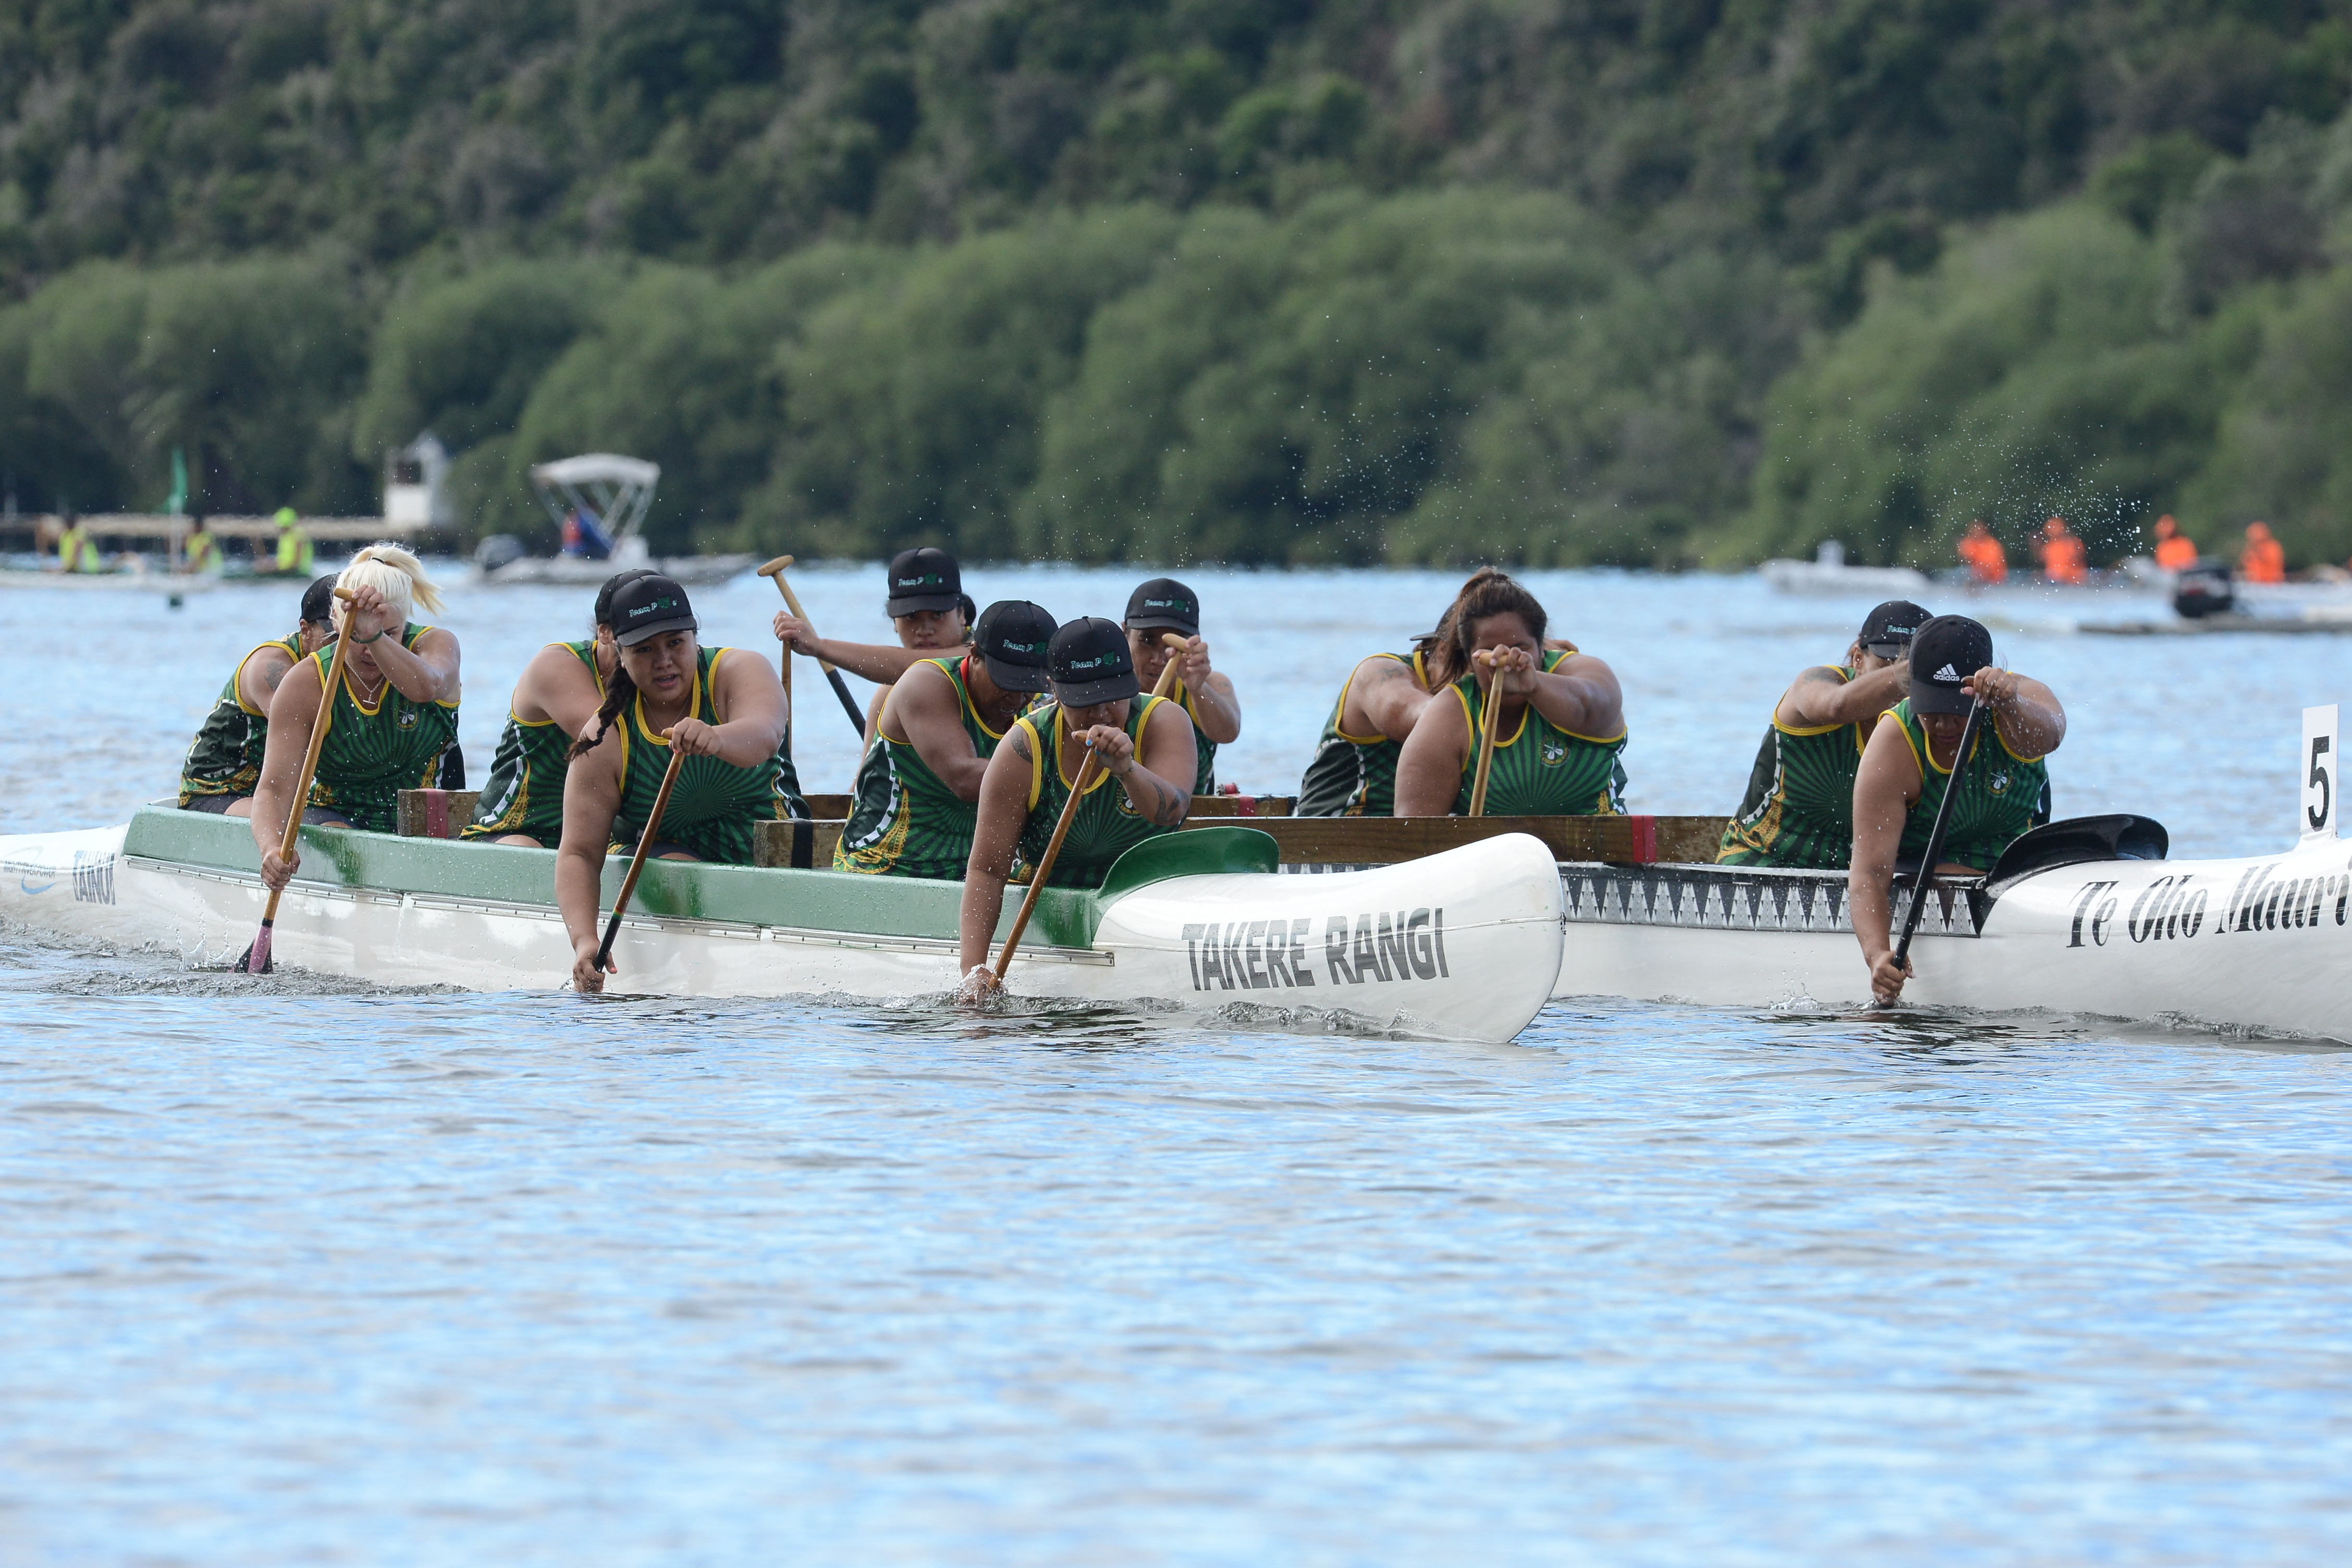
(1946, 651)
(924, 579)
(613, 585)
(1887, 630)
(648, 606)
(1087, 662)
(318, 598)
(1165, 602)
(1013, 635)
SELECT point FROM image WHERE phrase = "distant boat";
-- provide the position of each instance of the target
(1827, 573)
(598, 500)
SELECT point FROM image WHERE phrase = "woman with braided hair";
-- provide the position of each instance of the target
(556, 699)
(1558, 733)
(723, 708)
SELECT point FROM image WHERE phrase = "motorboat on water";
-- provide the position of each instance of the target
(1462, 945)
(598, 500)
(1828, 573)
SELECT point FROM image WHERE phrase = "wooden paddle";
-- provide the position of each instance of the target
(1494, 713)
(645, 850)
(1935, 851)
(1069, 813)
(775, 568)
(255, 960)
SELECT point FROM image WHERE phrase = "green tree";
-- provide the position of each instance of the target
(913, 401)
(2036, 371)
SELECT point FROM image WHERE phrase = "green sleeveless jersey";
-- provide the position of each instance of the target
(1107, 825)
(714, 804)
(225, 756)
(1540, 769)
(2000, 792)
(1798, 808)
(1354, 776)
(525, 790)
(904, 821)
(373, 753)
(1204, 776)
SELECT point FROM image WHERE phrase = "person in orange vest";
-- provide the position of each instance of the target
(2264, 559)
(1983, 553)
(2063, 559)
(2174, 549)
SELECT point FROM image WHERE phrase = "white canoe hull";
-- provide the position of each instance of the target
(1462, 945)
(2262, 943)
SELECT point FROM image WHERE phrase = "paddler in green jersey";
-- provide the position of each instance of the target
(1913, 759)
(1353, 771)
(918, 792)
(1560, 733)
(560, 691)
(1141, 787)
(200, 551)
(223, 766)
(927, 608)
(77, 550)
(391, 720)
(295, 551)
(723, 710)
(1798, 808)
(1163, 605)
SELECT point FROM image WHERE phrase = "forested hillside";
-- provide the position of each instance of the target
(1236, 280)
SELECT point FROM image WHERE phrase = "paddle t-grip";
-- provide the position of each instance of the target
(775, 568)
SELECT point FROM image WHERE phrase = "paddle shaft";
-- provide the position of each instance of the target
(1936, 835)
(1070, 815)
(256, 957)
(637, 861)
(1494, 713)
(775, 568)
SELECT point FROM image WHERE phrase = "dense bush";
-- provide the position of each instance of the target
(249, 368)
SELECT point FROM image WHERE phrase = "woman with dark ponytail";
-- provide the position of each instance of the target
(1560, 730)
(555, 700)
(723, 709)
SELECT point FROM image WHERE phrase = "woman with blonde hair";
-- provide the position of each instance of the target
(393, 715)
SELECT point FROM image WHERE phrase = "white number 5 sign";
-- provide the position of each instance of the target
(2321, 748)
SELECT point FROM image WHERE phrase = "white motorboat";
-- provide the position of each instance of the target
(614, 493)
(1828, 573)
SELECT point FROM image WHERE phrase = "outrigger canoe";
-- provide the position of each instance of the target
(2083, 916)
(1461, 945)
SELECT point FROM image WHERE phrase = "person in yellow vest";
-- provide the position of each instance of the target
(200, 551)
(77, 550)
(294, 547)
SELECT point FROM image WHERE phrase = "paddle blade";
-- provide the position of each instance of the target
(256, 957)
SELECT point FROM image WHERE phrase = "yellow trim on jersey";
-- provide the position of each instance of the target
(237, 685)
(1037, 758)
(1843, 680)
(1340, 714)
(1525, 709)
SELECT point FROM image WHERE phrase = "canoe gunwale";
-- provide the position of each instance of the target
(676, 925)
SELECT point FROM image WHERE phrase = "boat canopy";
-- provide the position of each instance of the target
(619, 490)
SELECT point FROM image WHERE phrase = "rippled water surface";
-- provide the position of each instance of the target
(297, 1270)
